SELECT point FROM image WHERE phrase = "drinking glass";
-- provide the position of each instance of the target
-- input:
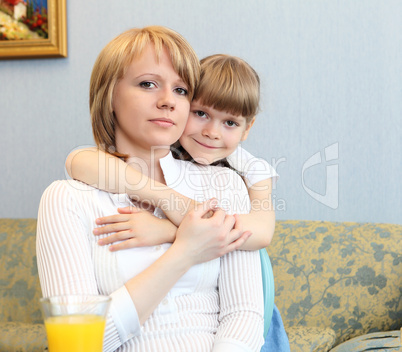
(75, 323)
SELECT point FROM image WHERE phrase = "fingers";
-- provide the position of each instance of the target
(208, 214)
(112, 219)
(119, 226)
(238, 224)
(131, 243)
(124, 241)
(230, 222)
(204, 208)
(128, 210)
(118, 236)
(236, 244)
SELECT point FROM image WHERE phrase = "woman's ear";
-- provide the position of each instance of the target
(247, 130)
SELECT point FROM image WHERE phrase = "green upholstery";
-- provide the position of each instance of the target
(22, 337)
(345, 277)
(21, 327)
(333, 281)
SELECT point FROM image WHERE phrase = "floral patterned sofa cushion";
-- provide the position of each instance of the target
(21, 337)
(21, 323)
(310, 339)
(343, 276)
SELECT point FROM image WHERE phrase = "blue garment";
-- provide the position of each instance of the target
(277, 339)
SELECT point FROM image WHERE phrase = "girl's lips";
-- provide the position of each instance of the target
(163, 122)
(205, 145)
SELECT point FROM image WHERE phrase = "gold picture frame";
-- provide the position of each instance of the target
(54, 40)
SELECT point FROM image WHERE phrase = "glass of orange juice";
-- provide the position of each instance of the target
(75, 323)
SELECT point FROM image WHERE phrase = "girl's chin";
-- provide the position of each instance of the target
(202, 160)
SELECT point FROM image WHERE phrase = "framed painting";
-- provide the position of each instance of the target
(33, 29)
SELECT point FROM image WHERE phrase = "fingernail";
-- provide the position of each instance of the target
(95, 232)
(98, 221)
(100, 242)
(214, 203)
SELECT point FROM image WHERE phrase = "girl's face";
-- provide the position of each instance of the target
(211, 135)
(150, 104)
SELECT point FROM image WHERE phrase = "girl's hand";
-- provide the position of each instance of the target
(206, 237)
(134, 228)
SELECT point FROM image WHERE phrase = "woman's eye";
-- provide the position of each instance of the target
(231, 123)
(147, 84)
(181, 91)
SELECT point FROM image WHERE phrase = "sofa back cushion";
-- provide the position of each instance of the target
(19, 284)
(345, 276)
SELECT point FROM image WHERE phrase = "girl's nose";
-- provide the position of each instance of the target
(211, 131)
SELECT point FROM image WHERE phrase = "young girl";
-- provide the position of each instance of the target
(221, 115)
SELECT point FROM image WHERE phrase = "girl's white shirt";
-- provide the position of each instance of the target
(253, 169)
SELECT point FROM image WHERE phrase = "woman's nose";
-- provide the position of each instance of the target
(166, 99)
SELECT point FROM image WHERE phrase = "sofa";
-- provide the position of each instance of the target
(336, 280)
(333, 281)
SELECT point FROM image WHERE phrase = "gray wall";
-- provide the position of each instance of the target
(331, 75)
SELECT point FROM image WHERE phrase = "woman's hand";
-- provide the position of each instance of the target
(134, 228)
(207, 235)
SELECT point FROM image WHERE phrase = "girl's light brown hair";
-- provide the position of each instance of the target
(112, 63)
(229, 84)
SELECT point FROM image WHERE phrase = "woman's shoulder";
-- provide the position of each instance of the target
(75, 196)
(68, 189)
(71, 185)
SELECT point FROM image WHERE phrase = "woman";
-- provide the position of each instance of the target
(170, 297)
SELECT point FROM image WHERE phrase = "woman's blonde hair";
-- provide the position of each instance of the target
(112, 63)
(229, 84)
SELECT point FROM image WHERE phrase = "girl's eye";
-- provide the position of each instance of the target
(147, 84)
(181, 91)
(230, 123)
(200, 113)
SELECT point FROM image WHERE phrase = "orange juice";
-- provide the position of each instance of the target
(75, 333)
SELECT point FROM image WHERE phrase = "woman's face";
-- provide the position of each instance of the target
(150, 104)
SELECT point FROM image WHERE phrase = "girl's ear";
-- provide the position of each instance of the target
(247, 130)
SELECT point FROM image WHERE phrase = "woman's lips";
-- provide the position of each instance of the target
(162, 122)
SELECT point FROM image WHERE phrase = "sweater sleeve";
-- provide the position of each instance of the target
(65, 259)
(241, 303)
(241, 320)
(253, 169)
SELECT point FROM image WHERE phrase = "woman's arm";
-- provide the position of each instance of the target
(241, 319)
(261, 219)
(65, 258)
(241, 322)
(64, 255)
(196, 242)
(109, 173)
